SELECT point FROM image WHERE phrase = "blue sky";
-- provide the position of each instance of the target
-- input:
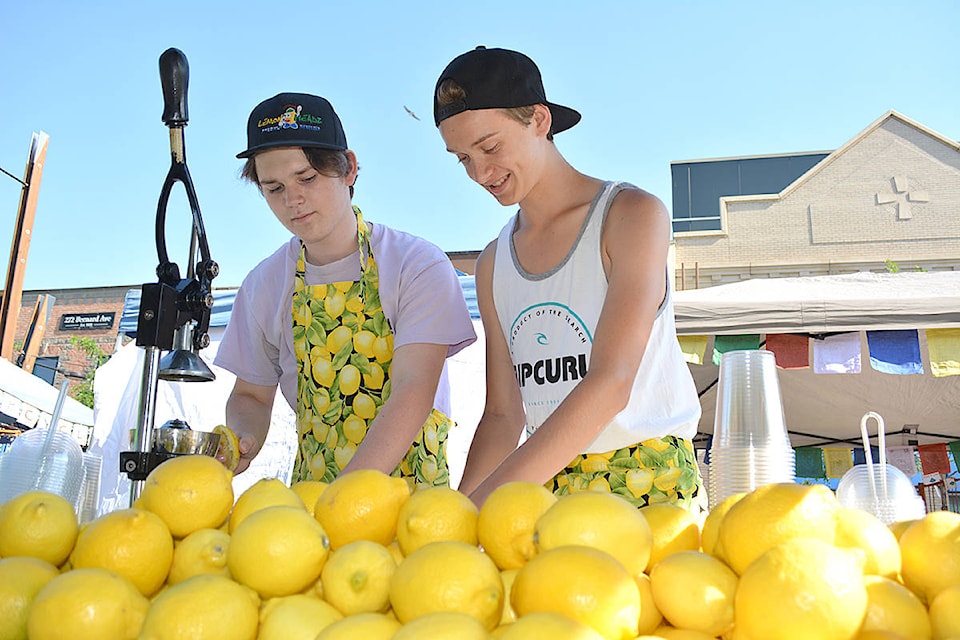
(655, 81)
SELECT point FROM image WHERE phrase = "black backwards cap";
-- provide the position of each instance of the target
(294, 120)
(498, 79)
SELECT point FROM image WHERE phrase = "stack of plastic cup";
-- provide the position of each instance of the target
(750, 445)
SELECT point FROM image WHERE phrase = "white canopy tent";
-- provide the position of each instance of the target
(31, 401)
(823, 409)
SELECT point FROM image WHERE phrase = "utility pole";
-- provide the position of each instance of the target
(20, 246)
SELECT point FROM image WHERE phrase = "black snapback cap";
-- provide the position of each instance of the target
(294, 120)
(498, 79)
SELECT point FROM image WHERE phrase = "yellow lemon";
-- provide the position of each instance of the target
(507, 519)
(772, 514)
(228, 448)
(893, 608)
(447, 576)
(277, 551)
(133, 543)
(356, 578)
(205, 606)
(639, 481)
(584, 583)
(87, 604)
(383, 348)
(666, 632)
(323, 372)
(433, 514)
(21, 578)
(334, 304)
(189, 493)
(39, 525)
(318, 469)
(295, 616)
(309, 491)
(363, 342)
(343, 455)
(899, 527)
(442, 625)
(374, 379)
(674, 529)
(549, 624)
(394, 549)
(203, 551)
(857, 529)
(803, 589)
(337, 338)
(710, 530)
(508, 615)
(361, 505)
(349, 379)
(354, 428)
(930, 551)
(361, 626)
(695, 591)
(650, 616)
(603, 521)
(266, 492)
(364, 406)
(944, 620)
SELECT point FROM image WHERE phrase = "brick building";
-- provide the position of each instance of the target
(92, 313)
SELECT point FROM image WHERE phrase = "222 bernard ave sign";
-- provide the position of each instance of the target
(83, 321)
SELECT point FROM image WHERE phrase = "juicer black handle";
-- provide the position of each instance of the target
(174, 77)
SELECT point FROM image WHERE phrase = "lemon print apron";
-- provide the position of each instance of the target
(655, 470)
(344, 346)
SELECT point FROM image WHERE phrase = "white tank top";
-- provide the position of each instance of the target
(549, 321)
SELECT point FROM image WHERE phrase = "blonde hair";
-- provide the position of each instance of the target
(450, 91)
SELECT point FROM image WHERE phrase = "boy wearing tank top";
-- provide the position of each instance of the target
(582, 357)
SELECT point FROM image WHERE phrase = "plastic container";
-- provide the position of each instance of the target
(880, 489)
(750, 446)
(41, 460)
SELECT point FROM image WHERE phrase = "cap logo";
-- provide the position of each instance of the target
(293, 117)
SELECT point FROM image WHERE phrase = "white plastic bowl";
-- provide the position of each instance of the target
(884, 491)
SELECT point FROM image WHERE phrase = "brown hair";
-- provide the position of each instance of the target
(449, 91)
(328, 162)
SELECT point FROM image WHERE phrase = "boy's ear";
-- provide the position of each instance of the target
(542, 119)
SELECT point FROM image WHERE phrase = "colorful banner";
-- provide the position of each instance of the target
(790, 350)
(722, 344)
(933, 458)
(955, 450)
(903, 458)
(838, 460)
(693, 348)
(837, 354)
(943, 346)
(860, 455)
(810, 462)
(896, 352)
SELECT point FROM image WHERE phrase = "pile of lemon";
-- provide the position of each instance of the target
(363, 558)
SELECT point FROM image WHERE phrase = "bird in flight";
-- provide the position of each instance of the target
(412, 114)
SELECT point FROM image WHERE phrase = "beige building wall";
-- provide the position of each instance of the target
(892, 193)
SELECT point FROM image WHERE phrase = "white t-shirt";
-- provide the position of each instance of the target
(419, 292)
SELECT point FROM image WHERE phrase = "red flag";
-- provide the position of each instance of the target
(791, 351)
(933, 458)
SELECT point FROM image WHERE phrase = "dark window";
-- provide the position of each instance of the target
(698, 186)
(45, 368)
